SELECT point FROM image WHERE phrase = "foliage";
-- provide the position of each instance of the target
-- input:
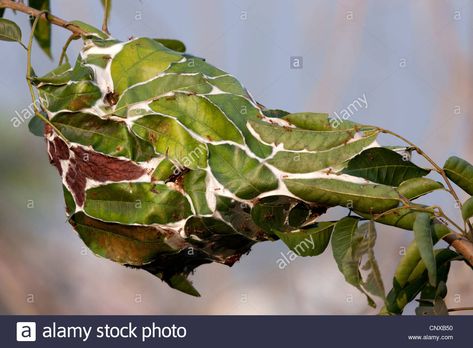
(168, 163)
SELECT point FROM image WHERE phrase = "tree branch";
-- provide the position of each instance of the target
(462, 245)
(20, 7)
(460, 309)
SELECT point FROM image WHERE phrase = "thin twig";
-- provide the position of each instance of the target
(20, 7)
(106, 12)
(437, 168)
(64, 49)
(28, 80)
(443, 215)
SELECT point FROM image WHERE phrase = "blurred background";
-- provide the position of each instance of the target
(413, 60)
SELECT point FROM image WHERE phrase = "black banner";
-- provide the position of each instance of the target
(234, 331)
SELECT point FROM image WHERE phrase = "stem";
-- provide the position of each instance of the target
(30, 86)
(462, 245)
(460, 309)
(106, 12)
(64, 49)
(437, 168)
(20, 7)
(435, 210)
(443, 215)
(22, 45)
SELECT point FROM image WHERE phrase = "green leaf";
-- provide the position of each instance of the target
(131, 245)
(164, 170)
(308, 242)
(238, 215)
(229, 84)
(366, 198)
(9, 31)
(199, 115)
(275, 113)
(100, 60)
(467, 209)
(460, 172)
(195, 65)
(136, 203)
(64, 75)
(416, 277)
(431, 298)
(194, 185)
(217, 238)
(350, 244)
(71, 97)
(407, 265)
(310, 121)
(417, 187)
(321, 122)
(423, 237)
(341, 243)
(106, 136)
(174, 45)
(89, 29)
(297, 139)
(42, 33)
(36, 126)
(138, 61)
(239, 110)
(308, 162)
(169, 138)
(403, 217)
(159, 86)
(58, 76)
(383, 166)
(181, 283)
(178, 280)
(244, 176)
(69, 201)
(102, 43)
(374, 282)
(411, 265)
(279, 213)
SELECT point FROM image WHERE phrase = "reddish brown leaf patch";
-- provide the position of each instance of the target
(87, 164)
(57, 151)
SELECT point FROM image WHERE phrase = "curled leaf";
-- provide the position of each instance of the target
(423, 237)
(467, 209)
(350, 244)
(460, 172)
